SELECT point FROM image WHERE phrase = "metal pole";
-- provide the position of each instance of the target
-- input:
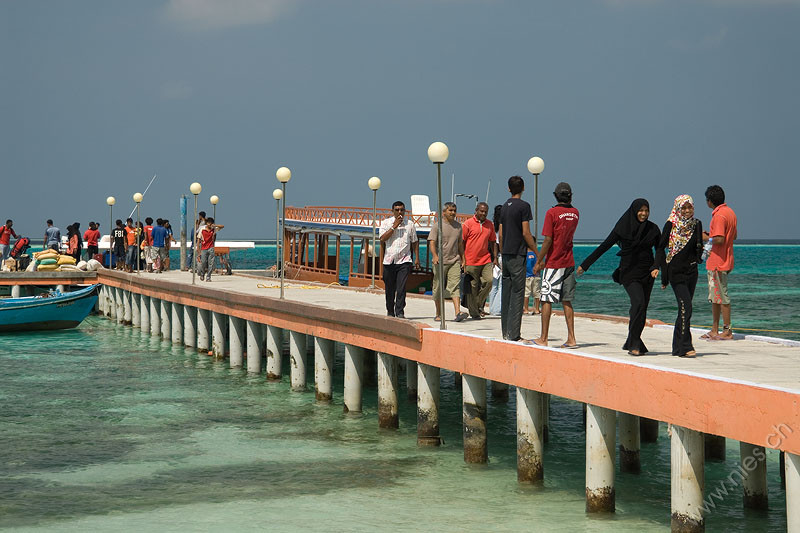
(110, 231)
(440, 266)
(283, 234)
(215, 212)
(138, 237)
(374, 212)
(194, 241)
(536, 206)
(278, 244)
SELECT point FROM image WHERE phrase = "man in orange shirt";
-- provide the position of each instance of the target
(480, 254)
(722, 233)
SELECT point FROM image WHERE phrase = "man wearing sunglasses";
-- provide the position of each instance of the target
(399, 238)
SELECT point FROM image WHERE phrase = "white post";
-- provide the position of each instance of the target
(155, 316)
(530, 436)
(119, 299)
(298, 354)
(203, 331)
(136, 310)
(428, 405)
(687, 479)
(177, 323)
(792, 470)
(190, 326)
(112, 302)
(629, 443)
(323, 369)
(387, 391)
(274, 353)
(145, 309)
(218, 327)
(353, 373)
(15, 291)
(754, 470)
(101, 294)
(166, 320)
(601, 437)
(126, 308)
(255, 343)
(237, 341)
(476, 449)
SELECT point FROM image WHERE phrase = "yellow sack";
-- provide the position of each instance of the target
(46, 268)
(66, 260)
(47, 254)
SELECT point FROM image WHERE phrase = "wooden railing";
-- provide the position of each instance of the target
(357, 216)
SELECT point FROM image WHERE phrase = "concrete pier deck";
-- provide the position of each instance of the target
(744, 389)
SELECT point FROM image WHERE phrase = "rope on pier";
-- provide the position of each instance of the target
(262, 286)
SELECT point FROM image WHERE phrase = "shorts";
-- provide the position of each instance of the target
(131, 256)
(452, 273)
(558, 285)
(119, 252)
(718, 287)
(533, 285)
(160, 252)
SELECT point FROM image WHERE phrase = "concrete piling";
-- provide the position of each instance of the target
(754, 470)
(411, 380)
(274, 353)
(687, 480)
(476, 449)
(190, 326)
(387, 391)
(177, 323)
(219, 326)
(236, 341)
(428, 378)
(792, 472)
(136, 311)
(255, 343)
(166, 320)
(155, 316)
(601, 436)
(127, 311)
(353, 374)
(629, 443)
(203, 331)
(648, 430)
(119, 300)
(101, 296)
(323, 369)
(530, 436)
(298, 353)
(112, 302)
(15, 291)
(144, 319)
(714, 447)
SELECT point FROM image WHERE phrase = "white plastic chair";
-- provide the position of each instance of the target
(421, 205)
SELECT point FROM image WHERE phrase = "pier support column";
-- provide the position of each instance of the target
(754, 470)
(601, 436)
(353, 372)
(127, 312)
(145, 313)
(792, 471)
(15, 291)
(219, 323)
(714, 447)
(177, 323)
(255, 343)
(298, 356)
(274, 353)
(476, 449)
(687, 480)
(428, 378)
(411, 380)
(166, 320)
(499, 390)
(101, 296)
(112, 303)
(629, 443)
(387, 391)
(136, 310)
(61, 288)
(648, 429)
(323, 369)
(155, 316)
(119, 299)
(203, 331)
(190, 326)
(530, 436)
(236, 341)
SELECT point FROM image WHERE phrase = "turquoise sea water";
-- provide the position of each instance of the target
(109, 429)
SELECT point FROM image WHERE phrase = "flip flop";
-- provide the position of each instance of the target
(721, 338)
(707, 336)
(537, 343)
(568, 346)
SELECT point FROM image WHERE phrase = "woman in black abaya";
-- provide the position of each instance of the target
(636, 237)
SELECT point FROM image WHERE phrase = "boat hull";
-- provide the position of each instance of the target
(57, 312)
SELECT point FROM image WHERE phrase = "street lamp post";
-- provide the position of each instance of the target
(110, 201)
(535, 167)
(374, 183)
(195, 188)
(278, 194)
(284, 175)
(438, 154)
(138, 199)
(214, 201)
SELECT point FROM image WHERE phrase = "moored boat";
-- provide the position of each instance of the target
(55, 310)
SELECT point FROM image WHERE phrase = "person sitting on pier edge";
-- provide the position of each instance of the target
(557, 264)
(480, 254)
(515, 239)
(208, 235)
(636, 237)
(6, 232)
(683, 242)
(721, 232)
(119, 245)
(399, 236)
(452, 260)
(52, 236)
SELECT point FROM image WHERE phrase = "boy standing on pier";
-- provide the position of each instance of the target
(721, 233)
(207, 237)
(557, 263)
(399, 236)
(52, 236)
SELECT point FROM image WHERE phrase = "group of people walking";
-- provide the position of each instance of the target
(478, 248)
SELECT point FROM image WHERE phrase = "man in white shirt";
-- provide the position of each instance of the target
(399, 238)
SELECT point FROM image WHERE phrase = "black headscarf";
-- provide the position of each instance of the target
(630, 231)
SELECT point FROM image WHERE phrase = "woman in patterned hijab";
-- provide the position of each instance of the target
(677, 256)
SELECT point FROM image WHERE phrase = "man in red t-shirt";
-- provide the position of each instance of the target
(6, 233)
(91, 236)
(557, 264)
(722, 233)
(208, 236)
(147, 244)
(480, 254)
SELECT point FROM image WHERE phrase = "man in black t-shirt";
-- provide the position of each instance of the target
(515, 238)
(118, 245)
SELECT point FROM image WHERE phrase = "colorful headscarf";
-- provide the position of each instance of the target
(682, 228)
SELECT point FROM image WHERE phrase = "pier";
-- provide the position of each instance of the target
(745, 390)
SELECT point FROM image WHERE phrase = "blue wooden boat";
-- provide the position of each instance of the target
(55, 310)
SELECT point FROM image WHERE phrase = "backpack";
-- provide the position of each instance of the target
(21, 246)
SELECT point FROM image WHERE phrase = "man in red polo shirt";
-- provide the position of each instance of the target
(480, 253)
(722, 233)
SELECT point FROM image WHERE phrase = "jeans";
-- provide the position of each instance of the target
(132, 256)
(394, 279)
(496, 297)
(5, 249)
(206, 263)
(639, 294)
(513, 296)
